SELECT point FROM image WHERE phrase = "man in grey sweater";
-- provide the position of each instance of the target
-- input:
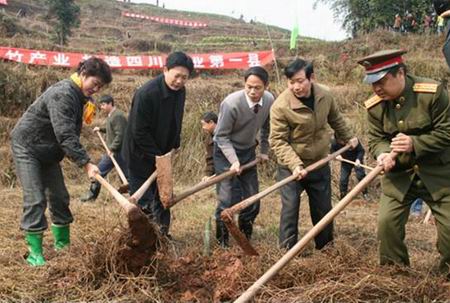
(242, 115)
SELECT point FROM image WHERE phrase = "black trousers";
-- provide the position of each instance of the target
(346, 170)
(150, 202)
(228, 190)
(318, 187)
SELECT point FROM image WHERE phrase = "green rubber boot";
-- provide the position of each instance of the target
(34, 242)
(62, 236)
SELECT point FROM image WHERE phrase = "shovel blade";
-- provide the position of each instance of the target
(165, 178)
(240, 238)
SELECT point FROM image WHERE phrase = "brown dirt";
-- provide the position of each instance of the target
(203, 279)
(138, 244)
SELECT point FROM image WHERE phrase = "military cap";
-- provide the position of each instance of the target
(378, 64)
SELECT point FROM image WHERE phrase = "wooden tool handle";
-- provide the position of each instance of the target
(354, 163)
(116, 165)
(212, 181)
(124, 203)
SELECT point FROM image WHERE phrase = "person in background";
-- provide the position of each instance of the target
(47, 132)
(397, 23)
(427, 24)
(115, 126)
(209, 123)
(355, 155)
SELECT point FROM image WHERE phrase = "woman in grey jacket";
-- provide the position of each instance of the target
(49, 130)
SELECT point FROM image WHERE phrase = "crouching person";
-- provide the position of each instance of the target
(47, 132)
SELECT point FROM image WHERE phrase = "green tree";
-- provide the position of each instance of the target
(67, 15)
(363, 16)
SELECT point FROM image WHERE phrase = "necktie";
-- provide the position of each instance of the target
(256, 108)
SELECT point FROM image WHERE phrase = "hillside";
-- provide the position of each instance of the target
(345, 272)
(104, 29)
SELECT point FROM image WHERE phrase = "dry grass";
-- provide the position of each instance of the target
(347, 271)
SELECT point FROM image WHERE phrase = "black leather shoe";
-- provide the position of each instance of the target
(222, 234)
(93, 192)
(87, 197)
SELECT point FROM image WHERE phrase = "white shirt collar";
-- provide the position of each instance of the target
(252, 104)
(110, 113)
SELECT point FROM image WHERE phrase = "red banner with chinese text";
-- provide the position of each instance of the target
(241, 60)
(168, 21)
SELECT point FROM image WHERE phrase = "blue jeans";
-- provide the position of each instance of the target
(106, 164)
(416, 206)
(41, 183)
(346, 170)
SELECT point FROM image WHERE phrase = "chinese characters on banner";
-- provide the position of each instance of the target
(168, 21)
(3, 2)
(240, 60)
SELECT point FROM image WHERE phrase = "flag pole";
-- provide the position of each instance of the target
(273, 53)
(294, 33)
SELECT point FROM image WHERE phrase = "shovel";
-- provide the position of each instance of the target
(297, 248)
(140, 226)
(124, 187)
(165, 180)
(227, 214)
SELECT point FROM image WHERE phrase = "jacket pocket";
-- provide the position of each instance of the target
(419, 124)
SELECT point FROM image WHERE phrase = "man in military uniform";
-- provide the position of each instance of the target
(409, 116)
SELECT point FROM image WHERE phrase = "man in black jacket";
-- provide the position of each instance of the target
(154, 129)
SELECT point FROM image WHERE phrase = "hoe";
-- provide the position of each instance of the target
(227, 214)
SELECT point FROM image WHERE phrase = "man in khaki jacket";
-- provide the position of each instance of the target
(299, 136)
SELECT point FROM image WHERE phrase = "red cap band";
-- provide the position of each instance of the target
(387, 63)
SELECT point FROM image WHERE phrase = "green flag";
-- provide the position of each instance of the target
(294, 35)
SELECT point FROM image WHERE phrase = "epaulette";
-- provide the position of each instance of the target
(425, 87)
(374, 100)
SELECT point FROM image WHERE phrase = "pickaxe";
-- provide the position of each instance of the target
(124, 187)
(227, 214)
(165, 180)
(297, 248)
